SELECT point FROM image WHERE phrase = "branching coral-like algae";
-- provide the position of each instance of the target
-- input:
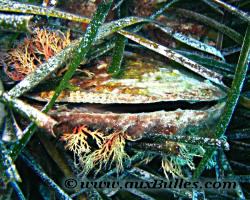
(33, 52)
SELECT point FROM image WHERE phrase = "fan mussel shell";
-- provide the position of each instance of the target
(118, 103)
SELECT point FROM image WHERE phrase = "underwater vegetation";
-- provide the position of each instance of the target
(26, 57)
(136, 92)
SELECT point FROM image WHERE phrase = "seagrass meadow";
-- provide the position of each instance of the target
(116, 99)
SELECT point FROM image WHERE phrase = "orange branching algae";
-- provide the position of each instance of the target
(110, 148)
(29, 55)
(77, 141)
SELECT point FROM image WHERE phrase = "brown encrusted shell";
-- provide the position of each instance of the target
(143, 81)
(136, 124)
